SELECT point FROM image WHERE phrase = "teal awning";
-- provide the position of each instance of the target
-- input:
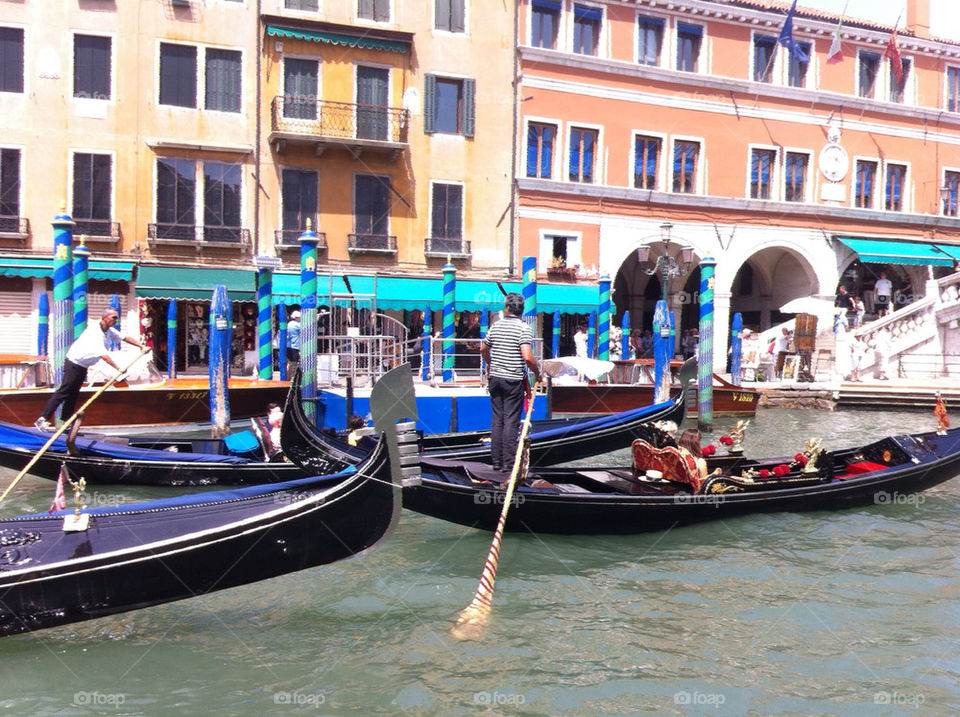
(887, 251)
(286, 288)
(177, 282)
(40, 267)
(337, 38)
(568, 298)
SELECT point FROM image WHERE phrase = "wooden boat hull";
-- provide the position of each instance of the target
(615, 398)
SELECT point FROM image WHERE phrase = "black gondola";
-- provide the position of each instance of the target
(143, 554)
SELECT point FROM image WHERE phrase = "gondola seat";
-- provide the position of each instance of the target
(675, 464)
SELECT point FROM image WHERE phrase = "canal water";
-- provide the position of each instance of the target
(847, 613)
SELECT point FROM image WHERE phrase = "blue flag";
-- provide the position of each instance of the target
(786, 37)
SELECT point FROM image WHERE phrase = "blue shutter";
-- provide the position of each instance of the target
(429, 102)
(532, 146)
(581, 12)
(546, 152)
(467, 121)
(589, 140)
(574, 169)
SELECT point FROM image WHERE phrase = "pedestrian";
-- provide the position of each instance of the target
(881, 354)
(781, 347)
(883, 295)
(84, 352)
(293, 338)
(858, 351)
(859, 310)
(507, 347)
(580, 341)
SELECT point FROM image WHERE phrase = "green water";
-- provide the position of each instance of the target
(852, 612)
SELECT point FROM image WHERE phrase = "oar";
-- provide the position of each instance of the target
(66, 424)
(473, 618)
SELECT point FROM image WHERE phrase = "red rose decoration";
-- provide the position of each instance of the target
(726, 440)
(764, 473)
(781, 470)
(708, 450)
(801, 459)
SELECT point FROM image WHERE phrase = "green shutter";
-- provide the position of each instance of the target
(457, 15)
(467, 118)
(429, 102)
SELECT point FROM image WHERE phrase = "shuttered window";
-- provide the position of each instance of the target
(178, 75)
(92, 180)
(449, 105)
(447, 211)
(9, 182)
(91, 67)
(377, 10)
(11, 59)
(450, 15)
(176, 191)
(371, 205)
(223, 80)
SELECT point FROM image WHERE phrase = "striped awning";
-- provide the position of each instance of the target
(338, 38)
(890, 251)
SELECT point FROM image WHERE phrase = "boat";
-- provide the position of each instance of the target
(58, 568)
(630, 384)
(627, 500)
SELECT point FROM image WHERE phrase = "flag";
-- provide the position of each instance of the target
(835, 53)
(786, 37)
(59, 502)
(893, 52)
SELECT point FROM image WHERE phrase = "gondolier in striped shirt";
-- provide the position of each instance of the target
(507, 346)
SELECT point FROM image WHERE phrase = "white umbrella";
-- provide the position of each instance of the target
(808, 305)
(591, 369)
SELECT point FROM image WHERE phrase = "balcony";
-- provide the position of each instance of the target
(323, 123)
(442, 248)
(12, 227)
(371, 244)
(198, 236)
(290, 239)
(97, 230)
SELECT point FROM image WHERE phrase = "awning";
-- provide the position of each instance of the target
(176, 282)
(568, 299)
(286, 288)
(39, 267)
(887, 251)
(337, 38)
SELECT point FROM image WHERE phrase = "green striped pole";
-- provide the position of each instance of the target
(705, 361)
(264, 323)
(81, 262)
(603, 340)
(308, 321)
(449, 310)
(62, 291)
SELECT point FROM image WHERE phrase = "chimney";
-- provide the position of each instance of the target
(918, 17)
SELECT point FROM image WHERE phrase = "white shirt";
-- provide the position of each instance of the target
(91, 345)
(580, 342)
(882, 287)
(781, 343)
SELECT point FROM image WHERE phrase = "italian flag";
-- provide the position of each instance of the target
(835, 53)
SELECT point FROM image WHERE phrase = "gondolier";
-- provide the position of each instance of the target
(90, 347)
(506, 348)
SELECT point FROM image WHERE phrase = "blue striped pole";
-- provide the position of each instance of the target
(62, 291)
(625, 336)
(81, 262)
(705, 361)
(603, 338)
(265, 323)
(172, 338)
(115, 305)
(662, 352)
(425, 362)
(736, 349)
(282, 340)
(219, 361)
(555, 344)
(449, 308)
(592, 335)
(43, 323)
(528, 266)
(308, 321)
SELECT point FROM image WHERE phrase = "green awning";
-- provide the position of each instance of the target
(886, 251)
(286, 288)
(336, 38)
(176, 282)
(40, 268)
(568, 298)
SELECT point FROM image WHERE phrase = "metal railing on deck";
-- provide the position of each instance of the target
(325, 118)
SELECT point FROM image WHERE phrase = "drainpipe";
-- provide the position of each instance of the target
(256, 146)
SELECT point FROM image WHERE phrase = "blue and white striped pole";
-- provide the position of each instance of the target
(81, 263)
(308, 321)
(625, 336)
(172, 338)
(555, 344)
(736, 349)
(705, 361)
(43, 324)
(603, 338)
(264, 324)
(425, 362)
(449, 308)
(219, 357)
(282, 340)
(62, 291)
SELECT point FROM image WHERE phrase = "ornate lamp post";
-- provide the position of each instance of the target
(666, 267)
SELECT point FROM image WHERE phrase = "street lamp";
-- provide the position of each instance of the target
(666, 267)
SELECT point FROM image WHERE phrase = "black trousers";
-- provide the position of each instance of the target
(67, 391)
(506, 404)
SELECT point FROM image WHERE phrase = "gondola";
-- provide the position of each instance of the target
(591, 501)
(143, 554)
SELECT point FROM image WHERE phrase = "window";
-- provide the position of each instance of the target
(867, 79)
(865, 180)
(178, 75)
(446, 221)
(951, 180)
(544, 21)
(762, 163)
(11, 59)
(311, 5)
(371, 205)
(953, 89)
(540, 140)
(373, 90)
(221, 201)
(897, 88)
(586, 29)
(91, 66)
(583, 143)
(92, 186)
(9, 188)
(376, 10)
(764, 49)
(649, 40)
(894, 189)
(448, 105)
(299, 197)
(685, 155)
(795, 177)
(449, 15)
(797, 68)
(646, 162)
(300, 87)
(689, 38)
(222, 74)
(176, 198)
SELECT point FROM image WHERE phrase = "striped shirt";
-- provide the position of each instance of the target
(505, 338)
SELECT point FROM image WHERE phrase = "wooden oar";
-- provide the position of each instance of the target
(473, 618)
(68, 422)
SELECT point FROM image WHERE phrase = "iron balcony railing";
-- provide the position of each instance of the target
(318, 118)
(14, 225)
(96, 228)
(437, 246)
(199, 234)
(290, 238)
(376, 243)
